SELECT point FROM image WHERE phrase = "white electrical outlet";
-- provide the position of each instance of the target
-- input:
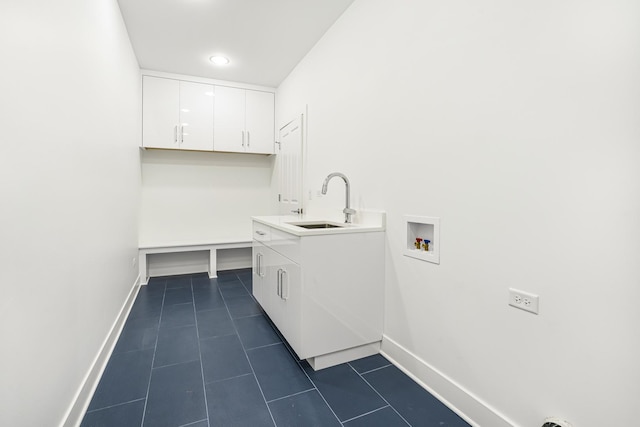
(523, 300)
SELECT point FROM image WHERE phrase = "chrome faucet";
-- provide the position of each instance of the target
(347, 210)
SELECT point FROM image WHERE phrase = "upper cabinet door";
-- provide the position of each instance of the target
(196, 116)
(160, 101)
(229, 132)
(259, 122)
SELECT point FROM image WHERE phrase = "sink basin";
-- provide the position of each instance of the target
(316, 225)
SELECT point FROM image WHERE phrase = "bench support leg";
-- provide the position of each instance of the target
(213, 263)
(142, 267)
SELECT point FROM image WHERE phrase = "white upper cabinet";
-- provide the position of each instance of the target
(196, 116)
(177, 114)
(244, 121)
(160, 112)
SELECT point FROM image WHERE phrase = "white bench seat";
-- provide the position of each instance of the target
(211, 246)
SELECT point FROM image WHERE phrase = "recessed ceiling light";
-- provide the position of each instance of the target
(219, 60)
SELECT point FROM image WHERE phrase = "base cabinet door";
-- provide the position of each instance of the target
(286, 300)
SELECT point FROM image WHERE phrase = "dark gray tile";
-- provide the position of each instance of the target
(125, 378)
(247, 280)
(237, 402)
(142, 322)
(214, 323)
(177, 345)
(385, 417)
(242, 306)
(208, 299)
(305, 409)
(203, 283)
(369, 363)
(157, 281)
(278, 373)
(125, 415)
(182, 281)
(152, 289)
(178, 315)
(345, 391)
(414, 403)
(255, 331)
(132, 339)
(203, 423)
(146, 307)
(176, 396)
(222, 358)
(178, 296)
(227, 275)
(235, 290)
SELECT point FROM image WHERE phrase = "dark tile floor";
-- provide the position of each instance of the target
(200, 352)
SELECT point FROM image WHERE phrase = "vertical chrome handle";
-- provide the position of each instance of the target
(181, 134)
(261, 271)
(282, 285)
(248, 138)
(175, 134)
(258, 264)
(279, 283)
(243, 138)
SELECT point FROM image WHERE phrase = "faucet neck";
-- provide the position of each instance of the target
(347, 210)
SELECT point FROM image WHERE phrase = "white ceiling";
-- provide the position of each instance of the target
(264, 39)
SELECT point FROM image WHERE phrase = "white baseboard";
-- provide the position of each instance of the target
(464, 403)
(76, 411)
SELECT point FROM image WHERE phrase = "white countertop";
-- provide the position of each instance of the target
(364, 223)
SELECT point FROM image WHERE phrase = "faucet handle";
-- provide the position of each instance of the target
(349, 211)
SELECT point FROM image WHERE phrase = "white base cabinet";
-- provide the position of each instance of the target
(324, 293)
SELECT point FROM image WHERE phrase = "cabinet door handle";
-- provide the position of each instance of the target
(175, 134)
(181, 134)
(258, 264)
(248, 138)
(261, 233)
(279, 283)
(282, 285)
(261, 270)
(243, 138)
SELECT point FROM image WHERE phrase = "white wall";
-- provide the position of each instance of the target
(516, 124)
(69, 194)
(202, 197)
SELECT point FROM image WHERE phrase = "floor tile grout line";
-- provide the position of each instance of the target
(263, 346)
(291, 395)
(378, 393)
(249, 361)
(113, 406)
(370, 370)
(204, 384)
(227, 379)
(173, 364)
(316, 387)
(195, 422)
(155, 348)
(366, 413)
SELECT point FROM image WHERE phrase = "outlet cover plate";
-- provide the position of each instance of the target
(524, 300)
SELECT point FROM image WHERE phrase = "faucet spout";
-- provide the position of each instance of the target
(347, 210)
